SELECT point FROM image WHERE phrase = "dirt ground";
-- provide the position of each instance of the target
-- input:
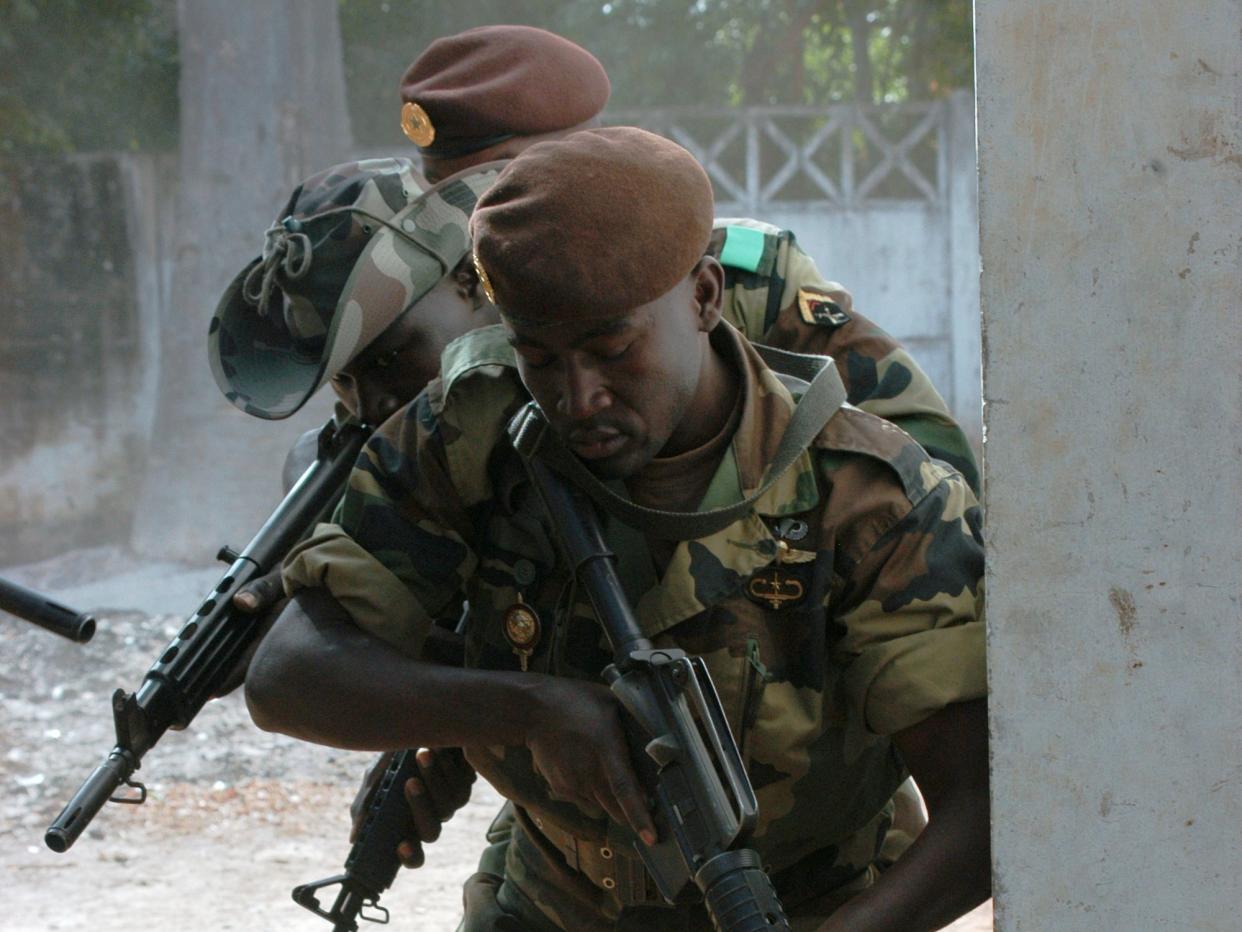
(235, 817)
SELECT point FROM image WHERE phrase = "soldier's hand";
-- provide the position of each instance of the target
(258, 595)
(579, 748)
(442, 787)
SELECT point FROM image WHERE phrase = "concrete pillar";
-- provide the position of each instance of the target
(962, 229)
(1110, 164)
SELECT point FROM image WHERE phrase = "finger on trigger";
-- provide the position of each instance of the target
(631, 800)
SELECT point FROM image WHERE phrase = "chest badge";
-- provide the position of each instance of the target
(775, 586)
(522, 629)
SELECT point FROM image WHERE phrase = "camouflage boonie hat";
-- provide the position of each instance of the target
(356, 245)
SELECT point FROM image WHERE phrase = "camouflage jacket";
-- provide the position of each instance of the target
(774, 294)
(885, 547)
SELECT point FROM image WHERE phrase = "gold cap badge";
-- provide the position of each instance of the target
(417, 125)
(483, 279)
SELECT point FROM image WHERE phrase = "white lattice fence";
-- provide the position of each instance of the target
(841, 156)
(884, 198)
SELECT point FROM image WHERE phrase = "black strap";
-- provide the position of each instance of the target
(824, 394)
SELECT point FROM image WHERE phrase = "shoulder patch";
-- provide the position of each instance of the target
(743, 248)
(819, 310)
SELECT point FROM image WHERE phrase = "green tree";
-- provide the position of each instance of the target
(686, 52)
(78, 75)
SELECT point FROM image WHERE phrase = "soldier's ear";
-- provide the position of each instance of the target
(708, 276)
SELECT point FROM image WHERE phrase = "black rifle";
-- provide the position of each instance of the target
(372, 863)
(42, 611)
(195, 664)
(705, 807)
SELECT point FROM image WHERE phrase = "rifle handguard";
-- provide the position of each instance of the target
(213, 641)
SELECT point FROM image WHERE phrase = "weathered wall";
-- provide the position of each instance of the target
(1111, 168)
(79, 281)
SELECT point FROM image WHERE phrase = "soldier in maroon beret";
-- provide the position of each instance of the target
(489, 92)
(493, 92)
(823, 567)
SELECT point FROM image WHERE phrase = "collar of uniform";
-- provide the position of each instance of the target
(703, 572)
(767, 407)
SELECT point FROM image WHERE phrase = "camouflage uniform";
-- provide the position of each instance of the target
(885, 545)
(774, 294)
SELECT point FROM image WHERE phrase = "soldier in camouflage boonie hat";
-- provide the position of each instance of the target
(355, 246)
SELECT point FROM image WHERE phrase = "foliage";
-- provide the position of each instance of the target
(78, 75)
(685, 52)
(82, 75)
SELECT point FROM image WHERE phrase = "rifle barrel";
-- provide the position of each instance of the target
(46, 613)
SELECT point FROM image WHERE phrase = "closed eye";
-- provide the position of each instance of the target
(615, 354)
(387, 359)
(534, 358)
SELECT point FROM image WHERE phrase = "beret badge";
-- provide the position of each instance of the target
(416, 125)
(483, 279)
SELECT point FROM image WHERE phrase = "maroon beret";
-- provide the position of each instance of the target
(480, 87)
(596, 223)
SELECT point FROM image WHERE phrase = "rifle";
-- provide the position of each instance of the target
(372, 863)
(46, 613)
(192, 667)
(705, 806)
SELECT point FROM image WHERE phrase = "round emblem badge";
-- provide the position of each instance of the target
(521, 627)
(417, 125)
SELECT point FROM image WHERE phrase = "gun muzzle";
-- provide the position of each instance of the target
(46, 613)
(90, 798)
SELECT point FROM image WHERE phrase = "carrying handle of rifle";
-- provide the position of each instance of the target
(726, 753)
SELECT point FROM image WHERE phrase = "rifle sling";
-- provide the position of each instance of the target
(821, 399)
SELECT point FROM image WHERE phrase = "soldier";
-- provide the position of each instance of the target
(593, 247)
(483, 94)
(364, 279)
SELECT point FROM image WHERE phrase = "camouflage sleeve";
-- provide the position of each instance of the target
(912, 610)
(373, 596)
(783, 300)
(397, 555)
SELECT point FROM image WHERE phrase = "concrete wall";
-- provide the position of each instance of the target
(1110, 179)
(79, 287)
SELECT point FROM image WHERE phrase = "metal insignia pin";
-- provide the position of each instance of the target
(416, 125)
(522, 629)
(774, 587)
(483, 279)
(792, 529)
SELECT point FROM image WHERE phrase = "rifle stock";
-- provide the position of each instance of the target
(192, 667)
